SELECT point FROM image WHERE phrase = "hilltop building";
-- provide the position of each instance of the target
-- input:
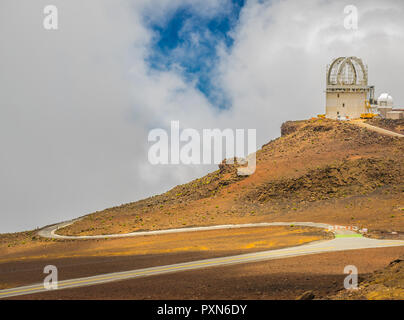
(347, 88)
(349, 96)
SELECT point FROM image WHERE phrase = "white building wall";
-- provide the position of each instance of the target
(395, 115)
(346, 104)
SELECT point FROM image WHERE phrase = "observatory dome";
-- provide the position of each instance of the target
(385, 100)
(347, 71)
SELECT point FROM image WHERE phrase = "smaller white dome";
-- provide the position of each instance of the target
(385, 100)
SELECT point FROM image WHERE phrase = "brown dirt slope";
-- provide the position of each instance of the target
(389, 124)
(385, 284)
(359, 176)
(318, 170)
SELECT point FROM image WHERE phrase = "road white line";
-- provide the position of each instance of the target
(338, 244)
(50, 231)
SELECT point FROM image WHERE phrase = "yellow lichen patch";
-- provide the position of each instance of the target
(307, 239)
(259, 244)
(386, 294)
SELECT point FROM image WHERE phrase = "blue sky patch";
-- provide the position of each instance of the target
(189, 41)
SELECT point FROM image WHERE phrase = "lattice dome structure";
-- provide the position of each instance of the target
(347, 71)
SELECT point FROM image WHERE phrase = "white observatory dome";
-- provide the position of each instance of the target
(385, 100)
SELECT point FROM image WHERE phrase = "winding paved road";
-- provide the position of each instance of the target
(344, 240)
(50, 231)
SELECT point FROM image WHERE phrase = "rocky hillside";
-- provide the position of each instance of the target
(385, 284)
(389, 124)
(318, 169)
(336, 180)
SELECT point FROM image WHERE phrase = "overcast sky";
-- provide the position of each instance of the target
(77, 103)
